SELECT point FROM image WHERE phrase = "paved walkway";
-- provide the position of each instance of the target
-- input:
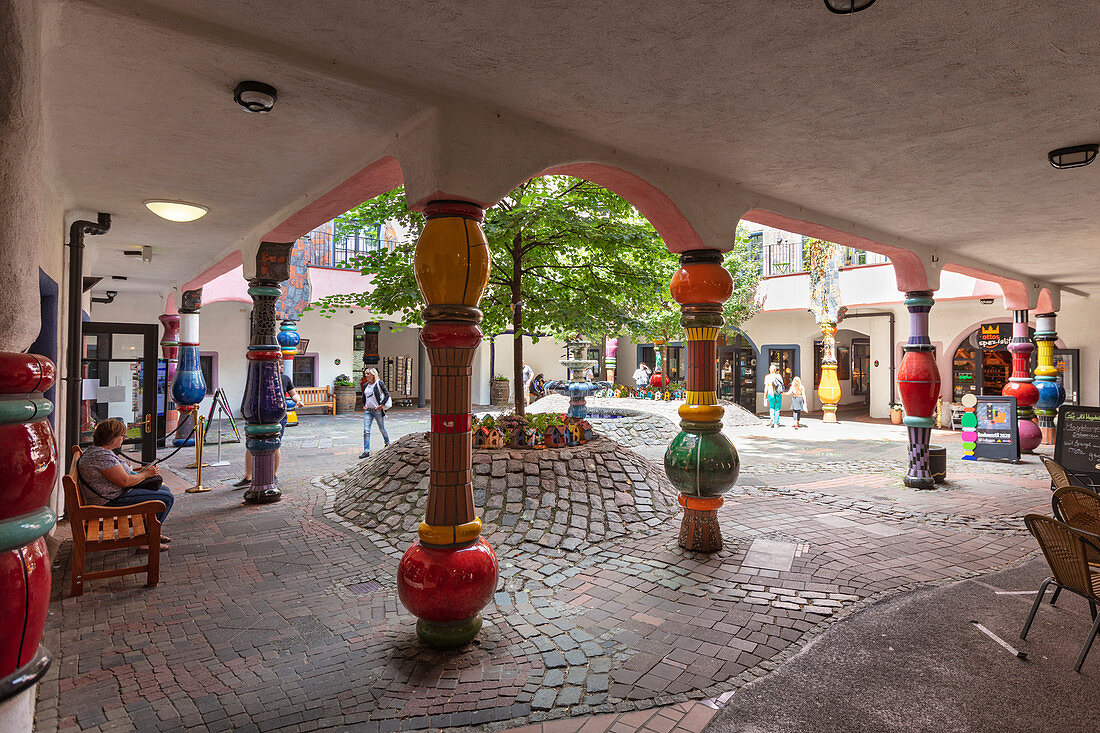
(282, 618)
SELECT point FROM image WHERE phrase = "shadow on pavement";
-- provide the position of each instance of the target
(916, 663)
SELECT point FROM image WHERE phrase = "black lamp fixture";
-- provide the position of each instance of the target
(1076, 156)
(255, 96)
(986, 301)
(847, 7)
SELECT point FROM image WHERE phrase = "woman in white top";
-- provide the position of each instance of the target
(375, 396)
(641, 376)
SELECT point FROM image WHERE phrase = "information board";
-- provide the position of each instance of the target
(1077, 440)
(998, 435)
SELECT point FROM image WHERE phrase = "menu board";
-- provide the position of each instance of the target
(1077, 440)
(998, 435)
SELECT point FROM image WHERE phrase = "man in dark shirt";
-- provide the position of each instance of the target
(244, 483)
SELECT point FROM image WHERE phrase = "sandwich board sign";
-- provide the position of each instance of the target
(1077, 440)
(996, 434)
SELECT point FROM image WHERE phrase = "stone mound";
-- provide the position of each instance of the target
(563, 498)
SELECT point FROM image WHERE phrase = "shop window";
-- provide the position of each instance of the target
(208, 365)
(784, 359)
(305, 371)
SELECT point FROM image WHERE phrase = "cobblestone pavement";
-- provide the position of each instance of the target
(285, 617)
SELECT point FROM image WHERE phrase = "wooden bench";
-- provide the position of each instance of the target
(102, 528)
(316, 397)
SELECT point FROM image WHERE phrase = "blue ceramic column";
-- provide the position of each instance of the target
(264, 405)
(288, 343)
(188, 386)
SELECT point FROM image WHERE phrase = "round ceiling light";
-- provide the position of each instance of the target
(255, 96)
(176, 210)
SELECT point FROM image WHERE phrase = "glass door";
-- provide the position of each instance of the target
(1068, 375)
(119, 369)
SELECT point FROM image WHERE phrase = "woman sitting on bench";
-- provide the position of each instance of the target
(105, 481)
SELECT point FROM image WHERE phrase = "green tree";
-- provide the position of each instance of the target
(568, 257)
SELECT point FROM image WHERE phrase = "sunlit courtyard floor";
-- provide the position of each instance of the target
(285, 617)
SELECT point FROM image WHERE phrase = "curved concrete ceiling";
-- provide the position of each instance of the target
(928, 121)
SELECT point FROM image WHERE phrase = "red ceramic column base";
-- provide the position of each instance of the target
(446, 588)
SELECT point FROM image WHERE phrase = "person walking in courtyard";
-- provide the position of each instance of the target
(798, 400)
(528, 375)
(375, 399)
(641, 376)
(773, 392)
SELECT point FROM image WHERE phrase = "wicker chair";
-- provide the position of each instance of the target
(1060, 478)
(1067, 550)
(1080, 509)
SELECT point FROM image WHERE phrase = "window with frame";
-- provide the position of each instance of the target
(206, 364)
(784, 358)
(305, 371)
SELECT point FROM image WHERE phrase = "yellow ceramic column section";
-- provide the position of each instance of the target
(829, 389)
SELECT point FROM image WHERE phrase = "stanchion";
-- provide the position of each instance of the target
(200, 438)
(219, 462)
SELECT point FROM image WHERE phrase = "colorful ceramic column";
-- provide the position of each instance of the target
(264, 404)
(450, 573)
(701, 462)
(829, 389)
(919, 385)
(188, 386)
(1020, 383)
(610, 358)
(288, 343)
(1051, 393)
(28, 466)
(169, 350)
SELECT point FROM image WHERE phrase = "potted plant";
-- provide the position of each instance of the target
(896, 412)
(498, 392)
(344, 390)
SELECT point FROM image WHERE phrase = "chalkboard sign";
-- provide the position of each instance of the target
(998, 435)
(1077, 440)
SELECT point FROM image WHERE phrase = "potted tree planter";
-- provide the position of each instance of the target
(344, 391)
(896, 413)
(498, 392)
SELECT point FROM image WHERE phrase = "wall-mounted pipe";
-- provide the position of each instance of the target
(72, 375)
(886, 314)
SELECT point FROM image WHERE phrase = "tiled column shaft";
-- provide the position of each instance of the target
(264, 405)
(28, 469)
(169, 350)
(450, 573)
(1020, 383)
(919, 385)
(1051, 394)
(188, 386)
(829, 389)
(289, 338)
(701, 462)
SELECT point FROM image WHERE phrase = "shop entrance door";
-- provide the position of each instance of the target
(119, 369)
(861, 369)
(737, 373)
(1069, 376)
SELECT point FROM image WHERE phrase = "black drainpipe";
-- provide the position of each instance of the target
(889, 315)
(76, 289)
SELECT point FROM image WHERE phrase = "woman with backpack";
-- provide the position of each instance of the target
(773, 391)
(376, 400)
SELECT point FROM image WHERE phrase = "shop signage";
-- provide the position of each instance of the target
(992, 336)
(998, 436)
(1077, 440)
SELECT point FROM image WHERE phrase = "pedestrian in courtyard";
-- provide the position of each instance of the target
(773, 392)
(105, 481)
(641, 376)
(289, 393)
(798, 400)
(528, 375)
(376, 398)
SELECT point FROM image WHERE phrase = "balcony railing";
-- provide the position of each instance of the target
(790, 257)
(323, 250)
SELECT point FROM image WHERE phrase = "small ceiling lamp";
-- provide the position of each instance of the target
(847, 7)
(255, 96)
(176, 210)
(145, 253)
(1073, 157)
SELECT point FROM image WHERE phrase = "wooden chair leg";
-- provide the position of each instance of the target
(76, 587)
(152, 575)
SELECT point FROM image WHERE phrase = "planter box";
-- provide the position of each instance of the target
(345, 398)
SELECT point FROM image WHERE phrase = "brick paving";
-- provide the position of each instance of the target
(285, 617)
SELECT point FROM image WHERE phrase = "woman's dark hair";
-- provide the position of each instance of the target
(108, 430)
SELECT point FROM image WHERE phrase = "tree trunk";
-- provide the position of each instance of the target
(517, 325)
(664, 364)
(601, 368)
